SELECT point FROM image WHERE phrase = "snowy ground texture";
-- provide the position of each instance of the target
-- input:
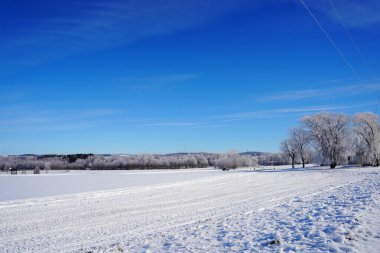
(282, 210)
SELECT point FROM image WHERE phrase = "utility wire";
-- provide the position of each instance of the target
(331, 41)
(351, 38)
(365, 62)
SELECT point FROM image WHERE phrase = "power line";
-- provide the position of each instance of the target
(365, 62)
(331, 41)
(351, 38)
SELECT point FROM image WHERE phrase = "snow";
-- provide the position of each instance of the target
(77, 181)
(282, 210)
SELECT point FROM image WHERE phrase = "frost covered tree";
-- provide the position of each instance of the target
(273, 159)
(300, 139)
(232, 160)
(228, 161)
(191, 161)
(367, 138)
(47, 166)
(99, 163)
(330, 133)
(288, 147)
(146, 161)
(202, 161)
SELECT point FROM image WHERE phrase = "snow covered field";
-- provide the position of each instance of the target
(282, 210)
(79, 181)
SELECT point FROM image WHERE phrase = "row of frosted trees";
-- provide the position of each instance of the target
(127, 162)
(333, 139)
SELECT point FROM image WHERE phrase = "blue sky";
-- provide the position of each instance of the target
(172, 76)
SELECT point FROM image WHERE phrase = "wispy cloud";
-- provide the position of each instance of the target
(32, 119)
(175, 124)
(21, 120)
(283, 112)
(150, 83)
(349, 90)
(169, 78)
(335, 81)
(229, 119)
(99, 112)
(355, 13)
(71, 27)
(189, 124)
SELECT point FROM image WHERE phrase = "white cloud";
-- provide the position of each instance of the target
(355, 13)
(152, 82)
(335, 91)
(25, 118)
(94, 26)
(175, 124)
(281, 112)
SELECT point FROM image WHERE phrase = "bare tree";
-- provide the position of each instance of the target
(301, 140)
(367, 133)
(289, 148)
(330, 133)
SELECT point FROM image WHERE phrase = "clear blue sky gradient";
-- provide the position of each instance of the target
(172, 76)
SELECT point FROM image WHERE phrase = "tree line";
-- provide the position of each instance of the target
(335, 138)
(230, 160)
